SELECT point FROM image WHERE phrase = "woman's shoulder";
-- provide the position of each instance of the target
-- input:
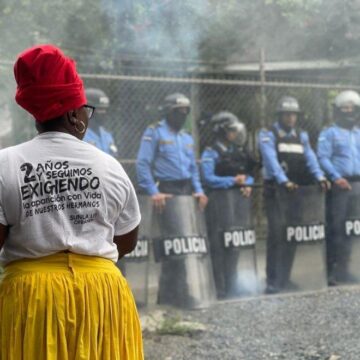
(12, 150)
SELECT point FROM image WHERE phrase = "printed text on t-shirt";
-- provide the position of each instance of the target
(56, 186)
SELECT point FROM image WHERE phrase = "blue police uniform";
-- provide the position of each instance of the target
(166, 156)
(339, 155)
(286, 156)
(103, 140)
(272, 169)
(209, 160)
(339, 152)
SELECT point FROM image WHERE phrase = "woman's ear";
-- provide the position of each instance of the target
(72, 117)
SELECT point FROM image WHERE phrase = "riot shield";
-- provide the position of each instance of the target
(232, 243)
(301, 264)
(344, 234)
(181, 247)
(135, 266)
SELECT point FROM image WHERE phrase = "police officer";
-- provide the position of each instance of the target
(166, 166)
(288, 161)
(96, 133)
(339, 156)
(227, 163)
(166, 162)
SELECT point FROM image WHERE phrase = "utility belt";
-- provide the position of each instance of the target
(270, 183)
(352, 178)
(176, 187)
(271, 187)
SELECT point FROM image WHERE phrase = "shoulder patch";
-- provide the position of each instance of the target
(154, 125)
(208, 148)
(113, 148)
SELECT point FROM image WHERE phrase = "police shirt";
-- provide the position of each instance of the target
(165, 155)
(209, 159)
(59, 193)
(339, 152)
(103, 140)
(272, 169)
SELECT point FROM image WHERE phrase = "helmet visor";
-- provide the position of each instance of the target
(240, 134)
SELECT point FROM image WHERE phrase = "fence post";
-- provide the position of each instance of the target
(195, 116)
(259, 218)
(262, 88)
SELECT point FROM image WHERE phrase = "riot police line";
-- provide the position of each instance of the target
(192, 263)
(198, 242)
(180, 261)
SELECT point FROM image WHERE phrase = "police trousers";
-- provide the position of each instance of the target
(338, 247)
(279, 253)
(173, 274)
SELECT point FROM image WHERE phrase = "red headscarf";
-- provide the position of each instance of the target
(48, 84)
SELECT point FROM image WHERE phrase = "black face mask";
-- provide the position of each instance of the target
(285, 127)
(347, 120)
(176, 120)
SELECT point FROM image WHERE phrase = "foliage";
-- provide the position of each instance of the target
(106, 34)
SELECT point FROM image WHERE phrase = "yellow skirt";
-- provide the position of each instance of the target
(67, 307)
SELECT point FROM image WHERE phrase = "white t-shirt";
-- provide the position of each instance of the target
(59, 193)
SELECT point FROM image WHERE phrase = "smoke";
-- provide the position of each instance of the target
(211, 31)
(248, 283)
(165, 29)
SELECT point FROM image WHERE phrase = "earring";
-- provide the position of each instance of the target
(83, 129)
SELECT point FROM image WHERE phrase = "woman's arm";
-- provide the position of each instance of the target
(3, 234)
(125, 243)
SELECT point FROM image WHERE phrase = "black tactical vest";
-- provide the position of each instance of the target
(232, 163)
(290, 152)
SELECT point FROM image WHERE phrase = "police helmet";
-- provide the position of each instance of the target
(225, 121)
(174, 101)
(288, 104)
(97, 98)
(347, 97)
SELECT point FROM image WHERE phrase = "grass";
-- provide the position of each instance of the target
(174, 326)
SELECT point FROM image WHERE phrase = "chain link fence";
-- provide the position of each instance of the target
(135, 101)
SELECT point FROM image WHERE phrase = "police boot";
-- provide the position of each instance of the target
(345, 277)
(332, 275)
(271, 289)
(291, 286)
